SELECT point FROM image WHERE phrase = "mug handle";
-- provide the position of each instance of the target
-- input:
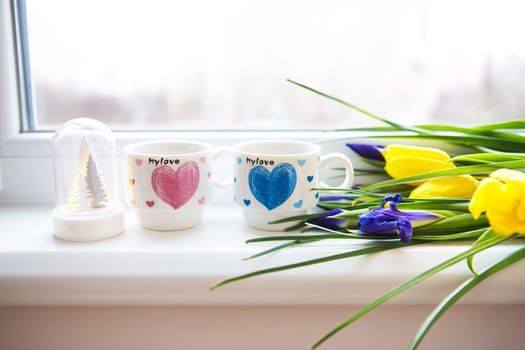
(226, 181)
(349, 169)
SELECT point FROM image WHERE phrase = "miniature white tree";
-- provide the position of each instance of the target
(96, 191)
(87, 188)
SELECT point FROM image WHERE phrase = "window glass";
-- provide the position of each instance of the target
(206, 64)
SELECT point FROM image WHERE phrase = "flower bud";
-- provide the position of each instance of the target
(502, 197)
(387, 220)
(448, 187)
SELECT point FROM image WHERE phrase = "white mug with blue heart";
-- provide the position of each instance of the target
(276, 179)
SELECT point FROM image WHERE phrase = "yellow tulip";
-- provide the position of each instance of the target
(448, 187)
(395, 150)
(502, 197)
(402, 160)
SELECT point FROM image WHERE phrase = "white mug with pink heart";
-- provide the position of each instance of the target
(168, 182)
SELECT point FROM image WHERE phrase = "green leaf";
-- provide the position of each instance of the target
(351, 192)
(303, 237)
(303, 217)
(360, 110)
(375, 163)
(481, 169)
(490, 130)
(454, 204)
(511, 124)
(283, 246)
(410, 283)
(454, 224)
(460, 206)
(362, 251)
(451, 236)
(457, 294)
(352, 214)
(470, 260)
(472, 141)
(488, 157)
(362, 172)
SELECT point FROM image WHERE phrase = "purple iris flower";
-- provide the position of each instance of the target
(368, 151)
(391, 221)
(329, 221)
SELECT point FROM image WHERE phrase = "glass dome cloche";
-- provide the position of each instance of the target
(87, 206)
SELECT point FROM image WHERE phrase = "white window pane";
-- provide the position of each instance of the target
(205, 64)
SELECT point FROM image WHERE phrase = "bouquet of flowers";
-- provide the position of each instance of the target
(476, 192)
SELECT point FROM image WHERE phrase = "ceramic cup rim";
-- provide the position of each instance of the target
(293, 148)
(172, 148)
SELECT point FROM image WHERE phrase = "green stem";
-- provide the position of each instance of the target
(283, 246)
(452, 298)
(360, 110)
(410, 283)
(363, 251)
(470, 260)
(471, 141)
(301, 237)
(464, 170)
(452, 236)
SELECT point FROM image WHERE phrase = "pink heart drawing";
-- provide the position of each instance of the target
(176, 187)
(203, 159)
(202, 200)
(150, 203)
(138, 161)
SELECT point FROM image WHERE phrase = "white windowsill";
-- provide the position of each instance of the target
(141, 267)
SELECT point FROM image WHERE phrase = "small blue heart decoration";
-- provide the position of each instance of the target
(239, 160)
(273, 188)
(301, 162)
(310, 178)
(298, 204)
(235, 179)
(316, 195)
(247, 202)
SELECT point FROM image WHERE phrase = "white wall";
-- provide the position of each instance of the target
(253, 328)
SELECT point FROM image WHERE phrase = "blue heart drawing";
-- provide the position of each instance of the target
(298, 204)
(272, 189)
(301, 162)
(247, 202)
(239, 160)
(310, 178)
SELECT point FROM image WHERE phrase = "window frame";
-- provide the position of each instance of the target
(26, 174)
(10, 116)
